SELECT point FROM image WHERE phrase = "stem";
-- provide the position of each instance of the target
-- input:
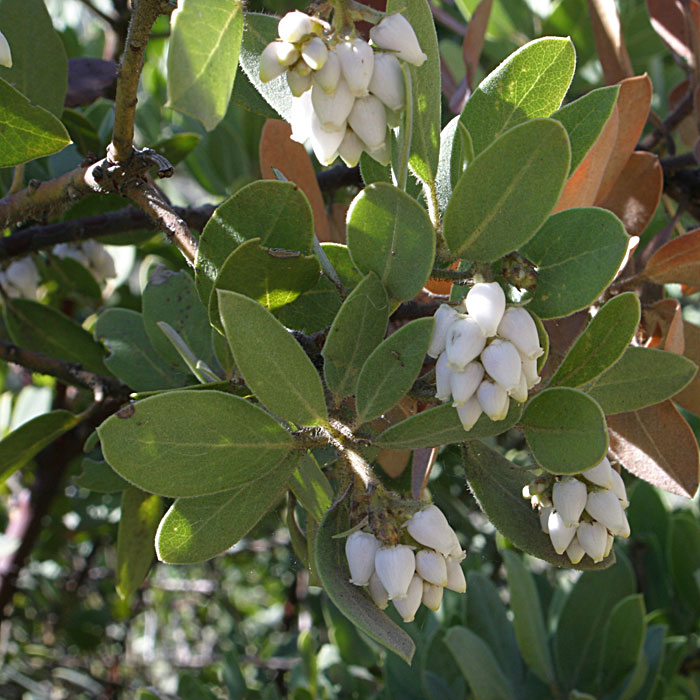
(17, 179)
(406, 131)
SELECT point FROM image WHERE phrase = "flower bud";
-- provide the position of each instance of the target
(315, 53)
(485, 304)
(302, 68)
(350, 148)
(23, 276)
(408, 606)
(469, 413)
(465, 341)
(270, 67)
(519, 327)
(519, 393)
(544, 518)
(493, 399)
(300, 117)
(442, 378)
(604, 506)
(360, 549)
(378, 592)
(5, 53)
(600, 475)
(328, 76)
(294, 26)
(569, 499)
(332, 109)
(618, 488)
(444, 317)
(298, 83)
(287, 53)
(395, 33)
(357, 64)
(575, 551)
(430, 527)
(432, 596)
(395, 567)
(387, 81)
(530, 372)
(101, 263)
(593, 537)
(368, 120)
(464, 384)
(431, 567)
(559, 533)
(325, 143)
(502, 361)
(455, 576)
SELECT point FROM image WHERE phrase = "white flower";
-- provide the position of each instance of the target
(5, 53)
(430, 527)
(593, 537)
(618, 488)
(465, 341)
(444, 317)
(464, 384)
(431, 567)
(569, 499)
(530, 372)
(519, 393)
(387, 81)
(560, 533)
(332, 110)
(485, 304)
(300, 117)
(327, 77)
(604, 506)
(575, 551)
(360, 549)
(294, 26)
(455, 576)
(357, 63)
(395, 567)
(502, 361)
(469, 413)
(519, 327)
(100, 262)
(493, 400)
(443, 377)
(368, 120)
(325, 143)
(408, 606)
(23, 276)
(350, 148)
(287, 54)
(608, 545)
(314, 53)
(432, 595)
(545, 512)
(378, 592)
(382, 154)
(298, 83)
(601, 474)
(395, 33)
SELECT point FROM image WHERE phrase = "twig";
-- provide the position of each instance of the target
(339, 176)
(673, 163)
(447, 20)
(102, 15)
(682, 110)
(145, 14)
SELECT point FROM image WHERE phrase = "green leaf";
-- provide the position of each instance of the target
(311, 487)
(22, 444)
(131, 357)
(585, 118)
(44, 329)
(271, 361)
(602, 343)
(178, 146)
(441, 426)
(566, 430)
(277, 213)
(172, 297)
(456, 152)
(313, 310)
(352, 601)
(100, 477)
(245, 95)
(192, 443)
(258, 32)
(508, 191)
(391, 369)
(577, 253)
(623, 640)
(528, 619)
(258, 273)
(81, 131)
(577, 643)
(26, 131)
(357, 329)
(390, 234)
(641, 377)
(683, 552)
(425, 141)
(197, 529)
(654, 654)
(478, 665)
(137, 527)
(39, 62)
(530, 83)
(205, 40)
(372, 171)
(497, 485)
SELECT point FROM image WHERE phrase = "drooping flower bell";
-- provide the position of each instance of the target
(5, 53)
(395, 33)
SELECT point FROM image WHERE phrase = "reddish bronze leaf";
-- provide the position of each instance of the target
(636, 194)
(474, 39)
(668, 21)
(336, 223)
(393, 462)
(609, 41)
(562, 333)
(689, 398)
(657, 445)
(89, 79)
(663, 322)
(676, 261)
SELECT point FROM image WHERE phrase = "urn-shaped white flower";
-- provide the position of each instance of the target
(569, 499)
(300, 117)
(368, 120)
(465, 383)
(545, 512)
(298, 84)
(519, 327)
(469, 413)
(356, 63)
(294, 26)
(519, 393)
(350, 148)
(395, 567)
(575, 551)
(560, 533)
(502, 361)
(443, 378)
(287, 53)
(593, 537)
(493, 400)
(619, 489)
(444, 317)
(429, 526)
(23, 276)
(360, 549)
(432, 595)
(325, 143)
(530, 372)
(387, 81)
(431, 567)
(270, 67)
(5, 53)
(464, 343)
(605, 507)
(328, 76)
(378, 592)
(601, 474)
(408, 606)
(455, 576)
(332, 109)
(314, 53)
(396, 34)
(486, 303)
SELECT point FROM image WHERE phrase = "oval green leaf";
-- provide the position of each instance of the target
(311, 487)
(456, 152)
(577, 253)
(566, 430)
(390, 234)
(508, 191)
(602, 343)
(391, 369)
(192, 443)
(273, 364)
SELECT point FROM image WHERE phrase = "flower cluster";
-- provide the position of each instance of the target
(20, 279)
(92, 255)
(485, 356)
(582, 513)
(347, 93)
(407, 574)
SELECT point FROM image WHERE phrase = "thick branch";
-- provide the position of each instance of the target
(145, 14)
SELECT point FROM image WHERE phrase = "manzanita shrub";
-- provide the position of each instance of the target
(488, 282)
